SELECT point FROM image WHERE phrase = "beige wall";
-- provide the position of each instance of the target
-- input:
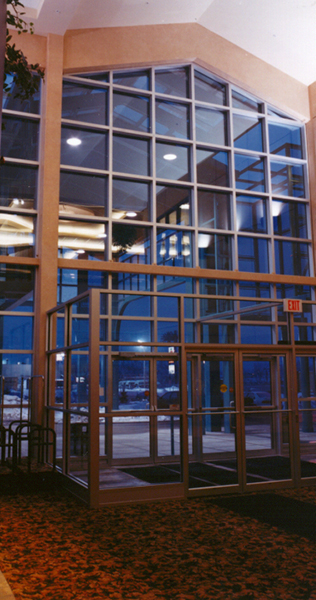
(155, 44)
(167, 44)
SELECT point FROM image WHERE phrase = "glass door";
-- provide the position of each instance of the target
(144, 422)
(266, 419)
(239, 420)
(212, 421)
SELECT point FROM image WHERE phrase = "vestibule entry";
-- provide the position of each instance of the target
(140, 414)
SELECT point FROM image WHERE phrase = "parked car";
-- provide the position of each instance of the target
(258, 398)
(169, 400)
(133, 389)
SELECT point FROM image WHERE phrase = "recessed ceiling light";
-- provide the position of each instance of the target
(131, 213)
(170, 156)
(185, 206)
(81, 251)
(73, 141)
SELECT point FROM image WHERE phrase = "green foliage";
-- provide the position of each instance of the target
(26, 76)
(124, 236)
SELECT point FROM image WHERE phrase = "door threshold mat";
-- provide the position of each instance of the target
(271, 467)
(290, 515)
(154, 474)
(200, 474)
(266, 467)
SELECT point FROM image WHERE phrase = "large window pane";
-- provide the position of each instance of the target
(19, 138)
(304, 292)
(247, 133)
(18, 186)
(104, 77)
(287, 179)
(214, 251)
(213, 333)
(249, 173)
(285, 140)
(72, 282)
(16, 235)
(132, 281)
(84, 103)
(130, 200)
(82, 240)
(213, 210)
(289, 219)
(173, 82)
(128, 330)
(215, 306)
(82, 194)
(174, 248)
(83, 148)
(255, 289)
(291, 258)
(16, 288)
(173, 205)
(212, 167)
(16, 333)
(131, 305)
(253, 255)
(245, 103)
(172, 161)
(217, 287)
(262, 314)
(251, 214)
(131, 112)
(210, 126)
(130, 441)
(209, 90)
(133, 79)
(256, 334)
(131, 155)
(31, 105)
(172, 119)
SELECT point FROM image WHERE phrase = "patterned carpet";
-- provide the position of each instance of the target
(54, 548)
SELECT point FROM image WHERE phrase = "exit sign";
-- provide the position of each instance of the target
(292, 305)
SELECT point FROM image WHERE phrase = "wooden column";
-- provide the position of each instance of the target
(48, 205)
(311, 150)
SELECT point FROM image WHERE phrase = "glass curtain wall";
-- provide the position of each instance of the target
(174, 167)
(18, 210)
(226, 311)
(18, 181)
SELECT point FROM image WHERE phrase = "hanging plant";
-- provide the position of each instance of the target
(123, 236)
(26, 76)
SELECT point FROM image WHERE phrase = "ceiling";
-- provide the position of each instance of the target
(280, 32)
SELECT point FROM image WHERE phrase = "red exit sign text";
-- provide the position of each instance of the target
(292, 305)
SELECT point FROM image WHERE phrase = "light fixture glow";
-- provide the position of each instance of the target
(204, 240)
(185, 245)
(81, 251)
(131, 213)
(185, 206)
(277, 208)
(172, 248)
(170, 156)
(73, 141)
(118, 215)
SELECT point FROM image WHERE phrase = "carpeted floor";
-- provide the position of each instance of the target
(54, 548)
